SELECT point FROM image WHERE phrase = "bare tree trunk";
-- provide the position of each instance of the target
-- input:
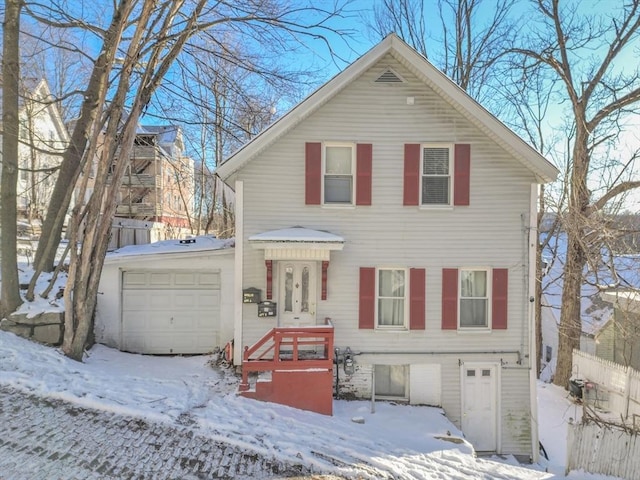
(87, 268)
(72, 163)
(570, 327)
(10, 300)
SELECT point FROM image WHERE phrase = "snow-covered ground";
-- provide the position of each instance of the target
(399, 439)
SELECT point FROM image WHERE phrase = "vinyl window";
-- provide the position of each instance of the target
(474, 298)
(435, 174)
(391, 296)
(338, 174)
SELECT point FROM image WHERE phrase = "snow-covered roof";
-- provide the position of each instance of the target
(297, 234)
(595, 310)
(167, 134)
(426, 72)
(203, 243)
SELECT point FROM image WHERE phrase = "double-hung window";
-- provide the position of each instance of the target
(391, 298)
(435, 170)
(474, 298)
(338, 174)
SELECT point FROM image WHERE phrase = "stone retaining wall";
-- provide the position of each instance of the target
(46, 327)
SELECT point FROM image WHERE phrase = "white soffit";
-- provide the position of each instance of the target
(296, 243)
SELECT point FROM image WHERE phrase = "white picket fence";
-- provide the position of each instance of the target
(602, 447)
(617, 386)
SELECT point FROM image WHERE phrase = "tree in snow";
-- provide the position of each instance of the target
(584, 52)
(137, 44)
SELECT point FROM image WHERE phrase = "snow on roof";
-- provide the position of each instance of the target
(297, 234)
(203, 243)
(595, 311)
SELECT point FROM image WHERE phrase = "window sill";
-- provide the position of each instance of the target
(392, 329)
(474, 331)
(391, 398)
(436, 208)
(338, 206)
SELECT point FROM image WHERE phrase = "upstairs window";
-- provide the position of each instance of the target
(338, 174)
(436, 175)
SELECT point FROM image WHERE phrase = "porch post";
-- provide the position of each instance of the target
(325, 267)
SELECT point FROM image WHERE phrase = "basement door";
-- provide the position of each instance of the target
(297, 286)
(480, 405)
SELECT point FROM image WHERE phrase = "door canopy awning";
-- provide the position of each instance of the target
(296, 243)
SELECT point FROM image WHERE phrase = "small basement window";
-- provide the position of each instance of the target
(391, 381)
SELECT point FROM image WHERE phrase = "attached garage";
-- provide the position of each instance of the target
(167, 298)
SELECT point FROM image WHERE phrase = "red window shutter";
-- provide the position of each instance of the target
(411, 174)
(313, 173)
(417, 293)
(500, 287)
(364, 157)
(449, 298)
(367, 297)
(461, 174)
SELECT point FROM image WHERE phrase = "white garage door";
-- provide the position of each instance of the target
(170, 311)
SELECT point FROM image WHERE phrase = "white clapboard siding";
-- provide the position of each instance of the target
(425, 384)
(489, 233)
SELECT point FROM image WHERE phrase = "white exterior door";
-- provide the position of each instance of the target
(297, 287)
(170, 312)
(480, 405)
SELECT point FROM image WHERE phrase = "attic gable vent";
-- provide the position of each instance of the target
(389, 76)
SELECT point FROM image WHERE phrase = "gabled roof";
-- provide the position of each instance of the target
(425, 71)
(37, 91)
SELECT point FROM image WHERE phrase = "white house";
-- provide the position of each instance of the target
(43, 138)
(393, 204)
(168, 297)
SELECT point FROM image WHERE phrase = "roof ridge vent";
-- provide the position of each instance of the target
(389, 76)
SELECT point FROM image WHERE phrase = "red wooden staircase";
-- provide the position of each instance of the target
(300, 360)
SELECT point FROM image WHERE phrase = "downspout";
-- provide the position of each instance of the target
(239, 273)
(533, 240)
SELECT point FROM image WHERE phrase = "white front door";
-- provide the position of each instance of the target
(480, 405)
(297, 287)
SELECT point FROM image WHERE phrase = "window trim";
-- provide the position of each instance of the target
(406, 314)
(451, 148)
(353, 147)
(407, 374)
(488, 297)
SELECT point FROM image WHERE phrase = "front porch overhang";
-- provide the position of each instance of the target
(297, 243)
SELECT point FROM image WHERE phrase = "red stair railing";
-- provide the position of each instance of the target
(285, 352)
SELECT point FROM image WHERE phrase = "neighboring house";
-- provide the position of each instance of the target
(596, 310)
(155, 200)
(393, 204)
(619, 339)
(43, 139)
(158, 185)
(168, 297)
